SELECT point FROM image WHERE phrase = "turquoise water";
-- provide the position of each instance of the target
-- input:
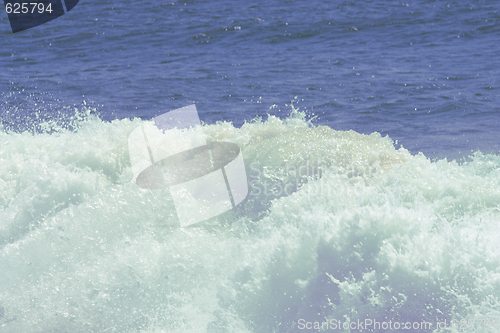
(361, 230)
(369, 135)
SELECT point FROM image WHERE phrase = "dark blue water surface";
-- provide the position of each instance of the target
(426, 73)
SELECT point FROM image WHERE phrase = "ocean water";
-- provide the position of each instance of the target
(369, 132)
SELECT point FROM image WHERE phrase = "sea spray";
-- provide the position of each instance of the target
(365, 232)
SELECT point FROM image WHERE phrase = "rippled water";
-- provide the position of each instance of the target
(425, 73)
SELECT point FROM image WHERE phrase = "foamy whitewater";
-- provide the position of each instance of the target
(338, 227)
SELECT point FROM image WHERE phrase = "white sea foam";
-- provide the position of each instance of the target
(363, 231)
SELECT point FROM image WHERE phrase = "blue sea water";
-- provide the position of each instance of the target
(391, 108)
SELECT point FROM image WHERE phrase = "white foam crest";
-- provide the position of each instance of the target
(365, 231)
